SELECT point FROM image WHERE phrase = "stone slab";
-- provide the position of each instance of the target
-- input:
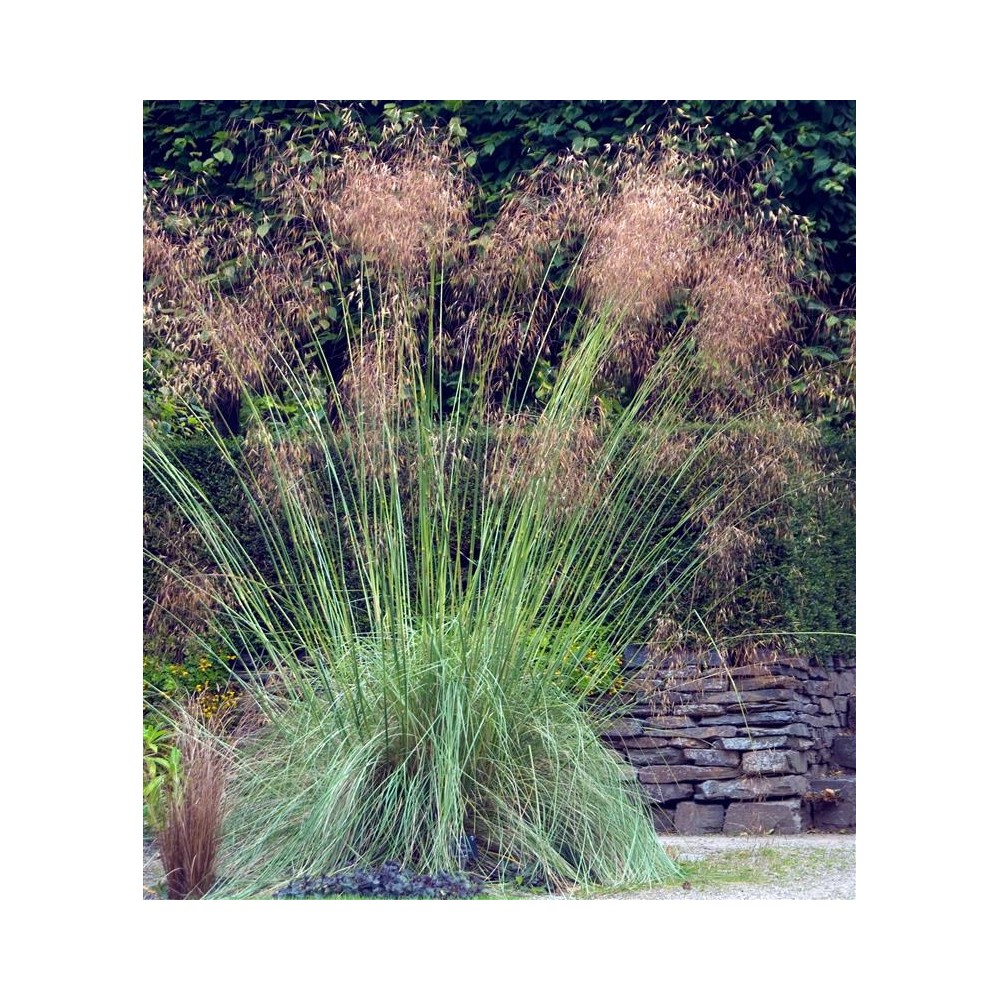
(700, 684)
(844, 751)
(623, 728)
(663, 819)
(754, 697)
(700, 710)
(697, 818)
(836, 811)
(712, 758)
(696, 732)
(665, 755)
(639, 742)
(765, 743)
(753, 787)
(670, 792)
(763, 818)
(774, 762)
(656, 775)
(844, 682)
(668, 722)
(762, 717)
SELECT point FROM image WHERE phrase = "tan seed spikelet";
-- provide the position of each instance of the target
(230, 327)
(400, 206)
(742, 295)
(644, 247)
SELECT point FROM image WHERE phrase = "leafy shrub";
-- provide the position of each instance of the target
(204, 680)
(585, 669)
(388, 881)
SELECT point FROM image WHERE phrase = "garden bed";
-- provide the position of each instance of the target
(809, 866)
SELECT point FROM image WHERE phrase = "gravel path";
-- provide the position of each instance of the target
(808, 866)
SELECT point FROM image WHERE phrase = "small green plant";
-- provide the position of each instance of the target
(588, 668)
(161, 766)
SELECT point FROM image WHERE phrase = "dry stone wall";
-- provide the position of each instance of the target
(765, 746)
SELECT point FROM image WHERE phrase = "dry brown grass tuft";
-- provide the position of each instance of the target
(190, 836)
(403, 212)
(667, 235)
(646, 244)
(231, 308)
(509, 305)
(399, 206)
(743, 295)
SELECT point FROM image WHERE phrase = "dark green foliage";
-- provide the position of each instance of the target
(810, 572)
(388, 881)
(218, 479)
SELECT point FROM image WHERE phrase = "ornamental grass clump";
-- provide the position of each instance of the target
(188, 821)
(440, 540)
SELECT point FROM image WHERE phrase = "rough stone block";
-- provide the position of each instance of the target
(844, 751)
(683, 772)
(851, 719)
(753, 787)
(774, 762)
(795, 729)
(759, 718)
(755, 742)
(700, 684)
(639, 742)
(712, 758)
(697, 733)
(819, 689)
(703, 710)
(635, 656)
(666, 792)
(766, 743)
(663, 819)
(845, 682)
(834, 803)
(623, 727)
(639, 684)
(668, 722)
(665, 755)
(768, 681)
(763, 818)
(797, 662)
(695, 818)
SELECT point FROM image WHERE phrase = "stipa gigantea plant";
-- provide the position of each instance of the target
(424, 531)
